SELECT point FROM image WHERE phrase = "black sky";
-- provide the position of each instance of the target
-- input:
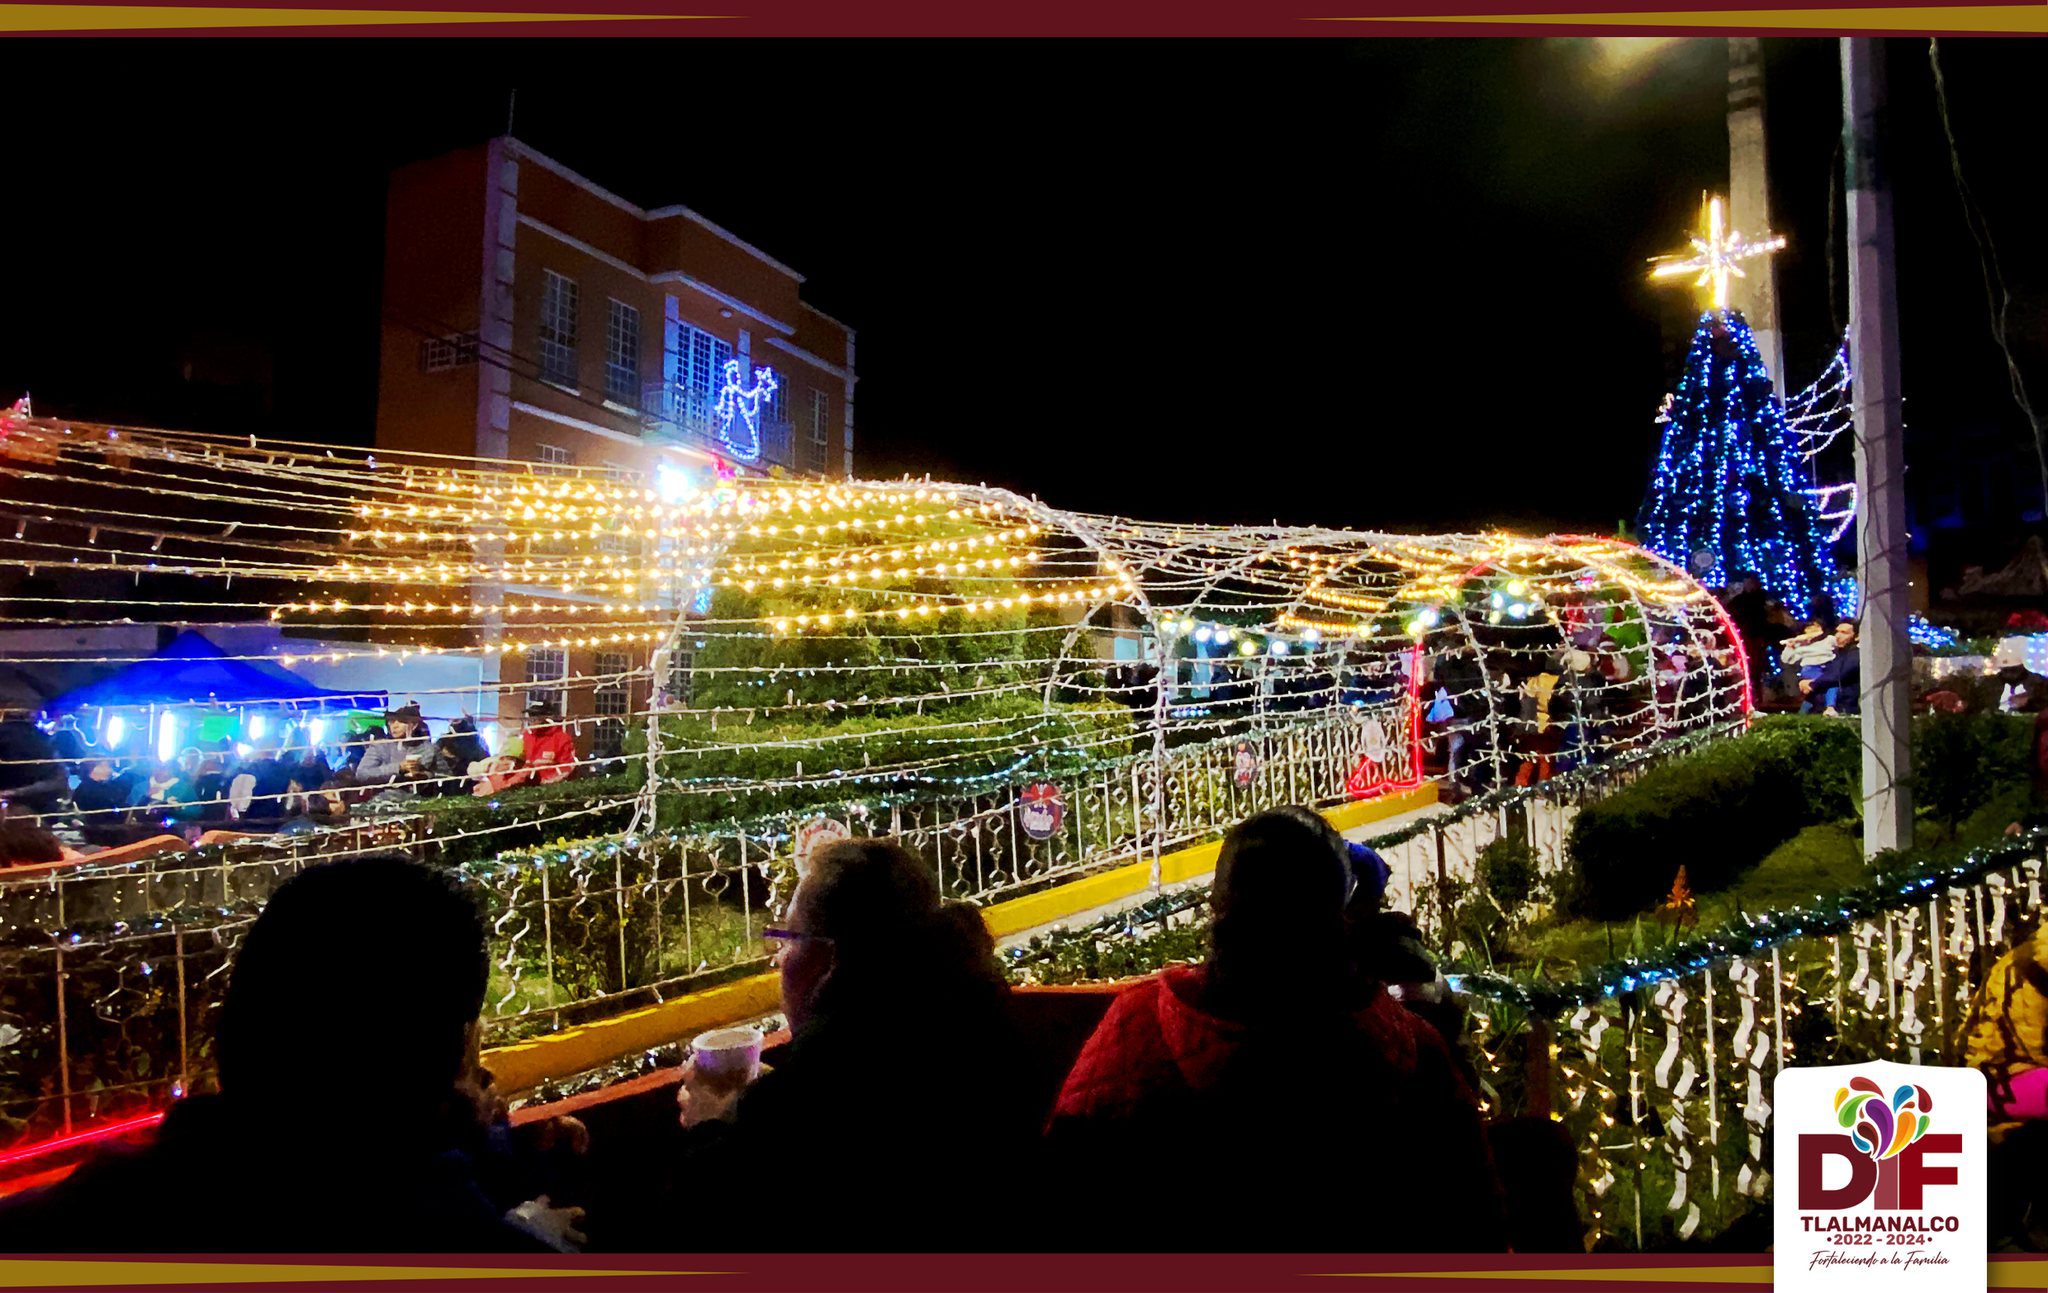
(1381, 283)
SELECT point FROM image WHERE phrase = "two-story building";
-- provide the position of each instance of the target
(533, 316)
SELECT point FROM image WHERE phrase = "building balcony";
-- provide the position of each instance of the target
(672, 415)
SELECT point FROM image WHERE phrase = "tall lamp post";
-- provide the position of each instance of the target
(1886, 652)
(1749, 201)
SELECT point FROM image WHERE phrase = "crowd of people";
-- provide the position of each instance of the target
(1509, 713)
(1289, 1071)
(62, 796)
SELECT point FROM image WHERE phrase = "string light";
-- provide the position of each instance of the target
(1730, 490)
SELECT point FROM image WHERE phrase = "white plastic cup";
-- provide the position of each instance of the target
(728, 1057)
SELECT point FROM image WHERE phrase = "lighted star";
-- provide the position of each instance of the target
(1715, 258)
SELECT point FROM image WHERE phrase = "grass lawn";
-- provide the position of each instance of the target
(1817, 861)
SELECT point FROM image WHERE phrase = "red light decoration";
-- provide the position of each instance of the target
(90, 1135)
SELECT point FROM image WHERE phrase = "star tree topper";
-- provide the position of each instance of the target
(1715, 257)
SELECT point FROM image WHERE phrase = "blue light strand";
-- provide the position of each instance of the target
(1731, 482)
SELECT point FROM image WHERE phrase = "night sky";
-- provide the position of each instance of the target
(1381, 283)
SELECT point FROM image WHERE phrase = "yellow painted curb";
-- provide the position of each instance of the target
(1347, 817)
(525, 1065)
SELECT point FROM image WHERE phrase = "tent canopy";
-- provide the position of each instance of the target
(193, 671)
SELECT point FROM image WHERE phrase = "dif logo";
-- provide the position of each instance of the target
(1880, 1177)
(1888, 1150)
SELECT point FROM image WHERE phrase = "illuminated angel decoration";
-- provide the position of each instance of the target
(744, 404)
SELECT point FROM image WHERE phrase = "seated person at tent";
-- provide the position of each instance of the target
(456, 753)
(105, 801)
(405, 738)
(547, 754)
(30, 777)
(315, 797)
(200, 794)
(70, 744)
(258, 790)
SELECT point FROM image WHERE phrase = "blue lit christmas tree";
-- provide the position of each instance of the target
(1733, 490)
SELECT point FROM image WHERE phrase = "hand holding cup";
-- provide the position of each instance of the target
(723, 1063)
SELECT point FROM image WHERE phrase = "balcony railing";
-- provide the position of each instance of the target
(668, 412)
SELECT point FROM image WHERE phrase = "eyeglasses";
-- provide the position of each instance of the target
(783, 939)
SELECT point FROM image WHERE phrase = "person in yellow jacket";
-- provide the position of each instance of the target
(2006, 1035)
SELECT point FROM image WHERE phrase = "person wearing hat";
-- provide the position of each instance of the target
(457, 751)
(550, 751)
(405, 738)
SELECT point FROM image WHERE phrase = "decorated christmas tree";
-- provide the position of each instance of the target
(1733, 489)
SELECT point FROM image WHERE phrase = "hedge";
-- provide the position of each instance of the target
(1718, 811)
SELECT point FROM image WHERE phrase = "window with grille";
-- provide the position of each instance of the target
(700, 368)
(558, 329)
(821, 416)
(622, 354)
(610, 700)
(547, 665)
(554, 460)
(440, 354)
(681, 666)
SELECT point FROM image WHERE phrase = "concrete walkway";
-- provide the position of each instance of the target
(1079, 920)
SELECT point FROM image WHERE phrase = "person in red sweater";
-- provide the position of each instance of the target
(547, 753)
(1280, 1075)
(550, 751)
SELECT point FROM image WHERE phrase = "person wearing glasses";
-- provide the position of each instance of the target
(904, 1077)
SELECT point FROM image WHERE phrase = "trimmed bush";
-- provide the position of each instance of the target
(1717, 812)
(1963, 761)
(1720, 810)
(1510, 872)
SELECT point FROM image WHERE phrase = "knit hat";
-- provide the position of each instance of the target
(1369, 875)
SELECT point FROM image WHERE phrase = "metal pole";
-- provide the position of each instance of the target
(1886, 652)
(1749, 205)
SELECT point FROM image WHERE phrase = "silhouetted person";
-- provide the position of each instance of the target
(1321, 1115)
(23, 843)
(352, 1005)
(903, 1081)
(31, 779)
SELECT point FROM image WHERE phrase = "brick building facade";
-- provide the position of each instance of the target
(530, 315)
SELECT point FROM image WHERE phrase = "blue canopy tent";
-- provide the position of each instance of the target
(193, 671)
